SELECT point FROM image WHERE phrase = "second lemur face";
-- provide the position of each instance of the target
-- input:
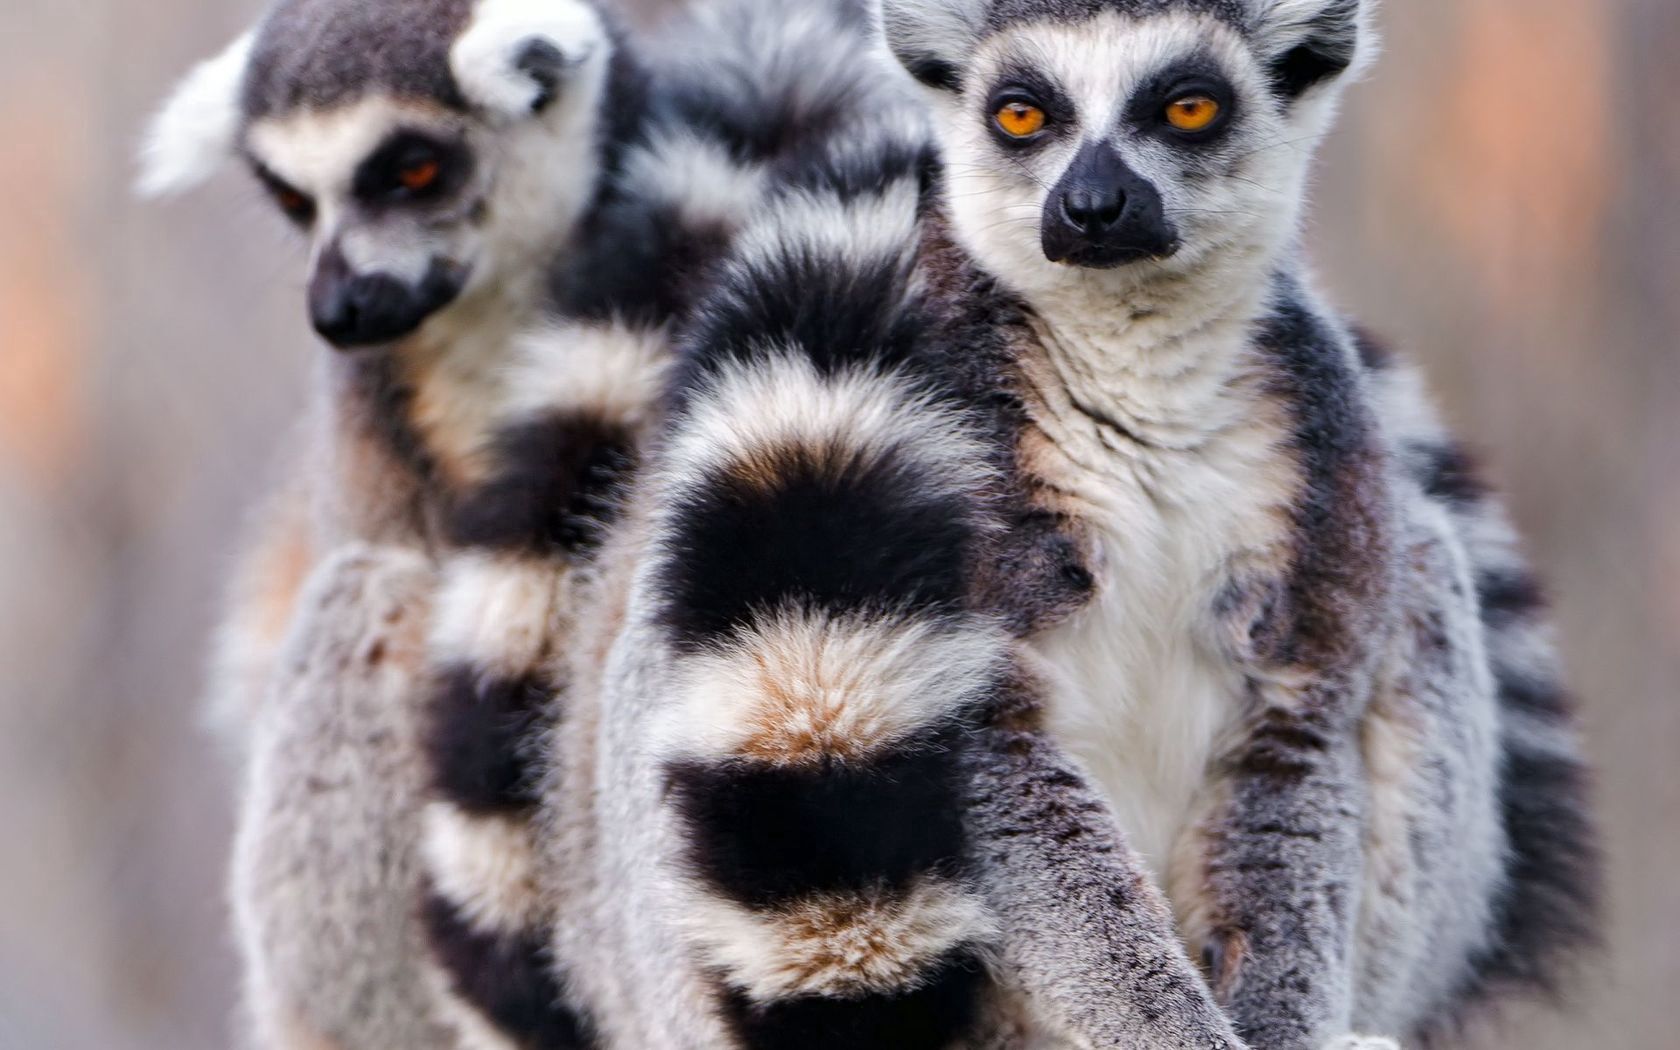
(1144, 137)
(430, 152)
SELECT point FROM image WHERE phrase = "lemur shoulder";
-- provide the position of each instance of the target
(1254, 589)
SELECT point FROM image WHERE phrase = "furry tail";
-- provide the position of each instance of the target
(1549, 909)
(501, 647)
(818, 513)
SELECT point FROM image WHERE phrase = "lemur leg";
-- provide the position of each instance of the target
(1084, 932)
(326, 864)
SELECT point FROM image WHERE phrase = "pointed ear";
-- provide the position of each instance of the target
(933, 38)
(515, 55)
(1310, 42)
(197, 129)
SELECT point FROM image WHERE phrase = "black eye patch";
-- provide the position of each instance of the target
(1027, 85)
(297, 205)
(1200, 76)
(412, 166)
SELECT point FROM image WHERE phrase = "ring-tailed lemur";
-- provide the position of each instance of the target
(819, 820)
(460, 167)
(490, 453)
(1308, 672)
(1314, 679)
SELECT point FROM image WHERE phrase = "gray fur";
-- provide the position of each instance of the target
(1348, 859)
(319, 53)
(324, 865)
(1087, 937)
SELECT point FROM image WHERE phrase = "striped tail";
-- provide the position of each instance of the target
(500, 645)
(818, 514)
(1549, 909)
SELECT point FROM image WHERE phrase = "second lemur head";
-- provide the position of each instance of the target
(1143, 138)
(432, 151)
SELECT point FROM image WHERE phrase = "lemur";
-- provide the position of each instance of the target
(463, 170)
(453, 444)
(1064, 457)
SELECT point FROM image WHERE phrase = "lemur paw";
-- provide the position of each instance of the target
(1362, 1042)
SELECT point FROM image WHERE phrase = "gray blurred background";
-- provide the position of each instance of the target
(1503, 198)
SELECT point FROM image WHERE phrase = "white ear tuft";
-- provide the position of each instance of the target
(195, 131)
(514, 54)
(931, 38)
(1313, 41)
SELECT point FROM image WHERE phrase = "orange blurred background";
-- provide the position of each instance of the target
(1502, 197)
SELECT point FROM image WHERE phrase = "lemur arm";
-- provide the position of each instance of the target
(1085, 934)
(325, 861)
(1284, 866)
(1306, 624)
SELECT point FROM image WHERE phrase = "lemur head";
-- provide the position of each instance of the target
(431, 150)
(1143, 138)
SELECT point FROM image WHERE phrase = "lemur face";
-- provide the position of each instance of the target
(446, 164)
(395, 199)
(1142, 137)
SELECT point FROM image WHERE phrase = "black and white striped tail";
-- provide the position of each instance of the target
(818, 513)
(550, 482)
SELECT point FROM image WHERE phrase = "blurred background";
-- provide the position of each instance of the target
(1502, 198)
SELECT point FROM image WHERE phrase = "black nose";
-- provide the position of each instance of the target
(1102, 213)
(351, 310)
(1093, 209)
(365, 310)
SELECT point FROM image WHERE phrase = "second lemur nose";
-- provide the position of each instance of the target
(1093, 210)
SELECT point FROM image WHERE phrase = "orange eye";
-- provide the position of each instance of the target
(419, 175)
(296, 206)
(1192, 112)
(1020, 119)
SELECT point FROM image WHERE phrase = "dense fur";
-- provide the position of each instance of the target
(1293, 678)
(846, 846)
(954, 562)
(489, 442)
(337, 747)
(1274, 643)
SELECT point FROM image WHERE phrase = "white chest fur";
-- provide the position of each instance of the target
(1174, 467)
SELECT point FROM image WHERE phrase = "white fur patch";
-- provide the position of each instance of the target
(614, 369)
(197, 129)
(1361, 1042)
(485, 58)
(858, 234)
(485, 866)
(801, 687)
(496, 612)
(836, 944)
(753, 414)
(707, 186)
